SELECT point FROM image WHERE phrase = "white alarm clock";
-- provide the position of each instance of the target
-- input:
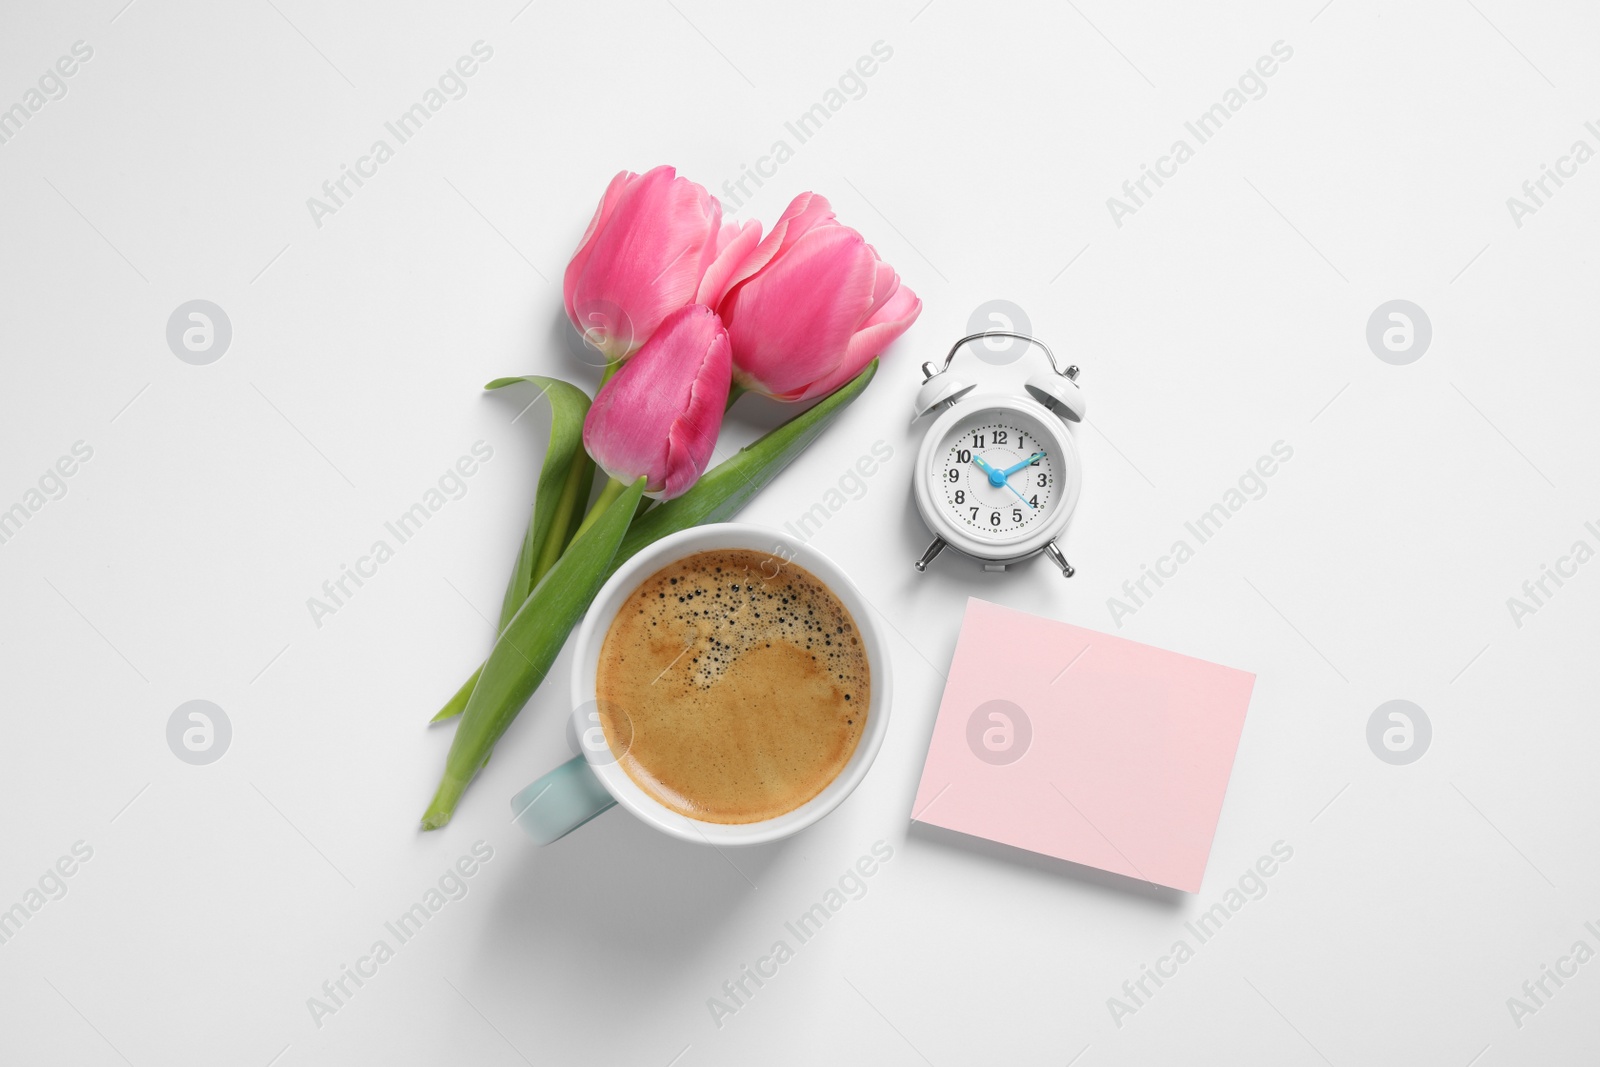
(998, 475)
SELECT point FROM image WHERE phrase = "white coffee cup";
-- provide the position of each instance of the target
(586, 785)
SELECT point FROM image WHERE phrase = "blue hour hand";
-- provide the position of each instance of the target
(995, 477)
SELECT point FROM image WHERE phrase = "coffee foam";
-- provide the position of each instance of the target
(726, 603)
(733, 685)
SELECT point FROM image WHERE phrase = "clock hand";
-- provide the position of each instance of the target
(1020, 497)
(1014, 468)
(995, 477)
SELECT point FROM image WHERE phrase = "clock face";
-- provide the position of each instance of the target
(997, 474)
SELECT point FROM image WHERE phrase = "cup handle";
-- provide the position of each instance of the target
(555, 804)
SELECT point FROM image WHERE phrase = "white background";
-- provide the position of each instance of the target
(1227, 314)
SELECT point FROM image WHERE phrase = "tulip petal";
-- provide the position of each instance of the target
(791, 323)
(693, 435)
(805, 213)
(580, 258)
(885, 285)
(735, 242)
(646, 259)
(659, 416)
(888, 323)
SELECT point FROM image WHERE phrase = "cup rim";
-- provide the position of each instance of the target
(597, 622)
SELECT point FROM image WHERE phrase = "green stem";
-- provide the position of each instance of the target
(612, 490)
(735, 391)
(578, 516)
(612, 487)
(445, 798)
(566, 504)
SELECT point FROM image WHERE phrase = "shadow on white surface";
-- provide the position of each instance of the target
(616, 891)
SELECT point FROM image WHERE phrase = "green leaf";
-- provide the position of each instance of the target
(527, 647)
(458, 703)
(564, 483)
(727, 487)
(567, 468)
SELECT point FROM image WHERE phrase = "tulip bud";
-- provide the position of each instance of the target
(656, 243)
(812, 305)
(659, 416)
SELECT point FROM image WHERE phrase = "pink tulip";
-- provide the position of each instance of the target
(660, 415)
(656, 243)
(812, 305)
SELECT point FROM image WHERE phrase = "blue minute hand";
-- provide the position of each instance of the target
(1014, 468)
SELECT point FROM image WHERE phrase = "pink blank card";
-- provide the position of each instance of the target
(1083, 746)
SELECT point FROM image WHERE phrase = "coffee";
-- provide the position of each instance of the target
(733, 686)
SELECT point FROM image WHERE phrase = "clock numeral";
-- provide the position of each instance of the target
(955, 475)
(963, 456)
(1035, 463)
(1016, 514)
(961, 497)
(977, 440)
(974, 512)
(999, 437)
(1034, 500)
(1044, 479)
(994, 518)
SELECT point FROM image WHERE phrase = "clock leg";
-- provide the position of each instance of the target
(1054, 553)
(927, 557)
